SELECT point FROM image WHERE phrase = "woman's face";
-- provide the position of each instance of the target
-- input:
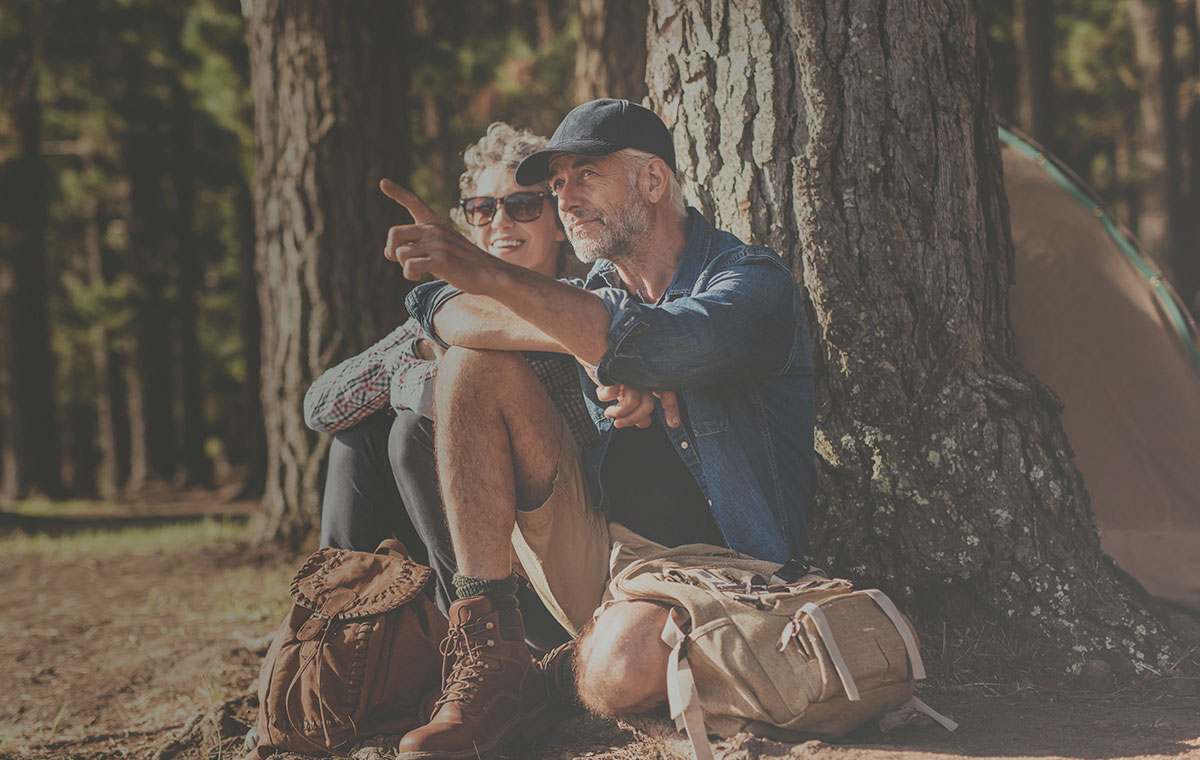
(533, 245)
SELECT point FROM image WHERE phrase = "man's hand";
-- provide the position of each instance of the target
(635, 406)
(432, 246)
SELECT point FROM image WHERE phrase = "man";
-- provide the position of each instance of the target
(698, 375)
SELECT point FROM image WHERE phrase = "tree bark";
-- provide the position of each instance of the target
(24, 201)
(856, 140)
(1035, 50)
(1153, 24)
(329, 81)
(609, 62)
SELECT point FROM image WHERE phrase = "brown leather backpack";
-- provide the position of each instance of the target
(355, 657)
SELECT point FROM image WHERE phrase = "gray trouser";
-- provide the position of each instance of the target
(382, 482)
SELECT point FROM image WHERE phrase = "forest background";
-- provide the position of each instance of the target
(190, 232)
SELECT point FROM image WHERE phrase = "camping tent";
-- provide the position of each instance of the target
(1098, 324)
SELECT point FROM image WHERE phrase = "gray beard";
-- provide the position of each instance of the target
(614, 240)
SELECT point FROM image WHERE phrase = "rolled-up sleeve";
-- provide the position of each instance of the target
(741, 323)
(424, 300)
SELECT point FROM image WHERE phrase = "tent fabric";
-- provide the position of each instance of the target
(1088, 322)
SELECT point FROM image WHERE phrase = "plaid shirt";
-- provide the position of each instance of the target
(392, 371)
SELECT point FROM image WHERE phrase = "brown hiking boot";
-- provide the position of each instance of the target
(492, 693)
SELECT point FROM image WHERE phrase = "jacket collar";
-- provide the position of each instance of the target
(691, 264)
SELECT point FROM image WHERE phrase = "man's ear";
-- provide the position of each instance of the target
(655, 177)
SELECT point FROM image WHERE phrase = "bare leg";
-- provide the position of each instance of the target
(621, 664)
(498, 438)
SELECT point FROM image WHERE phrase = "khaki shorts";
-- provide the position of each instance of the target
(568, 550)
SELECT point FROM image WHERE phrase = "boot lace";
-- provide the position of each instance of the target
(462, 660)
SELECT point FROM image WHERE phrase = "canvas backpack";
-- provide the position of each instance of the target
(356, 655)
(752, 652)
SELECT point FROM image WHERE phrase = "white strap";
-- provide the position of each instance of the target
(682, 696)
(835, 654)
(889, 609)
(920, 706)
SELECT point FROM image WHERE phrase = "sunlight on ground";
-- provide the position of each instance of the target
(89, 507)
(133, 540)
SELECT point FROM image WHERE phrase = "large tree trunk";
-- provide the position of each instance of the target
(609, 61)
(855, 139)
(1035, 50)
(24, 189)
(329, 81)
(1153, 24)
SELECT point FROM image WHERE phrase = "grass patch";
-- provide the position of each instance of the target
(129, 540)
(68, 508)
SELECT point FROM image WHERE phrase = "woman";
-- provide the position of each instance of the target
(379, 404)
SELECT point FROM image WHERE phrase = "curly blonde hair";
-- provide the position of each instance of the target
(501, 145)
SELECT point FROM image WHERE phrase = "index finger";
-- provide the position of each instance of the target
(420, 211)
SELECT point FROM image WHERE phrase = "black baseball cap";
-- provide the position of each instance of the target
(598, 128)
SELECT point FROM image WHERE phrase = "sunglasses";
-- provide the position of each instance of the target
(525, 206)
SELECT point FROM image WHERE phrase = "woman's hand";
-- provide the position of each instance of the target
(634, 407)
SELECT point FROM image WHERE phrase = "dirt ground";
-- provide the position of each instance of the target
(111, 652)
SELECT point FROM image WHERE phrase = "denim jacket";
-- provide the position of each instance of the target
(729, 336)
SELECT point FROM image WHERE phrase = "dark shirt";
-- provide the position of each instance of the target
(652, 492)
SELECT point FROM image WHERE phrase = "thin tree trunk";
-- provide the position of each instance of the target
(329, 80)
(1153, 24)
(1035, 49)
(139, 456)
(189, 417)
(145, 159)
(252, 427)
(1190, 266)
(1127, 203)
(10, 463)
(609, 62)
(24, 203)
(855, 138)
(108, 477)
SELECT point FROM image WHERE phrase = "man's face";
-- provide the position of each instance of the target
(601, 208)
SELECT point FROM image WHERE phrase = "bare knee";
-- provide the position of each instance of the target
(469, 366)
(622, 662)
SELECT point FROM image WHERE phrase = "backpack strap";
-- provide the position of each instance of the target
(835, 654)
(889, 609)
(682, 696)
(942, 720)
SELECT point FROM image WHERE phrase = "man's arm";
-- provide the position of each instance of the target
(573, 319)
(747, 322)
